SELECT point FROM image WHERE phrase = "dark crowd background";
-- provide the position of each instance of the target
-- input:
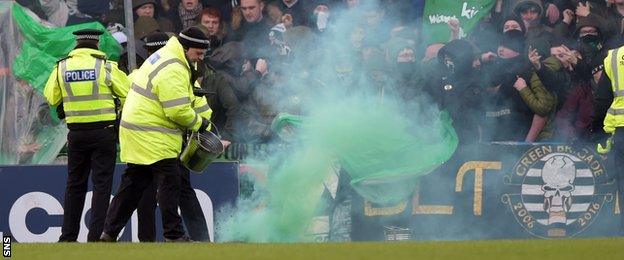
(529, 71)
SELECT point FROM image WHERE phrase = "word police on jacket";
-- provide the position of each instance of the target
(79, 75)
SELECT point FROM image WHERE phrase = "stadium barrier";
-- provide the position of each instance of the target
(498, 191)
(31, 199)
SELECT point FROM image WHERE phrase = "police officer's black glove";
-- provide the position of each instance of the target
(60, 112)
(199, 92)
(204, 125)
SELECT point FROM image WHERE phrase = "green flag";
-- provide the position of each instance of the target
(43, 46)
(439, 12)
(29, 130)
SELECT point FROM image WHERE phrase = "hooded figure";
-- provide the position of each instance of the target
(514, 108)
(505, 26)
(531, 13)
(401, 55)
(591, 37)
(453, 84)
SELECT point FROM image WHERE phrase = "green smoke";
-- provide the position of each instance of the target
(359, 123)
(383, 151)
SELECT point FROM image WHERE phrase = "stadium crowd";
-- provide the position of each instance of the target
(529, 65)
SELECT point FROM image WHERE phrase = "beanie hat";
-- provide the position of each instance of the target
(513, 18)
(513, 40)
(193, 37)
(138, 3)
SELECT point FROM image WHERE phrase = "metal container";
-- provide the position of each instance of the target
(201, 150)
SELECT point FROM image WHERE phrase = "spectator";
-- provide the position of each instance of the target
(320, 17)
(254, 29)
(516, 94)
(297, 9)
(574, 120)
(143, 26)
(211, 19)
(531, 13)
(226, 7)
(185, 14)
(401, 55)
(513, 23)
(233, 82)
(454, 86)
(149, 8)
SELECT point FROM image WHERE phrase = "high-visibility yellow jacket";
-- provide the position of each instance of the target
(87, 84)
(158, 108)
(200, 105)
(614, 68)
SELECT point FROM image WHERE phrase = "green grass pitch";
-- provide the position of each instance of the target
(600, 248)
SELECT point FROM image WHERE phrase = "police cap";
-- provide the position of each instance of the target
(88, 34)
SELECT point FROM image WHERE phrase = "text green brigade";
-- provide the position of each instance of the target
(557, 190)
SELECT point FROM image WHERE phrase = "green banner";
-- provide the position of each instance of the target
(43, 46)
(439, 12)
(30, 132)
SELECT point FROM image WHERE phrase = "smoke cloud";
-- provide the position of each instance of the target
(355, 122)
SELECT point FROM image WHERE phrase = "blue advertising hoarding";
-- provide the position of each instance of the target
(31, 200)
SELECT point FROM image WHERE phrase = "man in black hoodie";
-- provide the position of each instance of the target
(456, 88)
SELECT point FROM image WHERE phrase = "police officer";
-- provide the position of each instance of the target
(190, 208)
(84, 85)
(157, 112)
(614, 120)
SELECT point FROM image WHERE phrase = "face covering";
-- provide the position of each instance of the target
(321, 20)
(509, 69)
(593, 41)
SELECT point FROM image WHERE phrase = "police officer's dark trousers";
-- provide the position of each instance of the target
(91, 152)
(618, 157)
(134, 181)
(190, 209)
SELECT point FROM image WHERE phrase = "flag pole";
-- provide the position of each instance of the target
(131, 43)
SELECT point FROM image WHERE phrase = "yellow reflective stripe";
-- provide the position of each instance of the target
(175, 102)
(144, 92)
(88, 98)
(616, 111)
(108, 68)
(66, 84)
(202, 109)
(96, 83)
(159, 68)
(146, 128)
(91, 112)
(147, 92)
(614, 69)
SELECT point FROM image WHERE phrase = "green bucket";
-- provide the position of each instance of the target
(201, 149)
